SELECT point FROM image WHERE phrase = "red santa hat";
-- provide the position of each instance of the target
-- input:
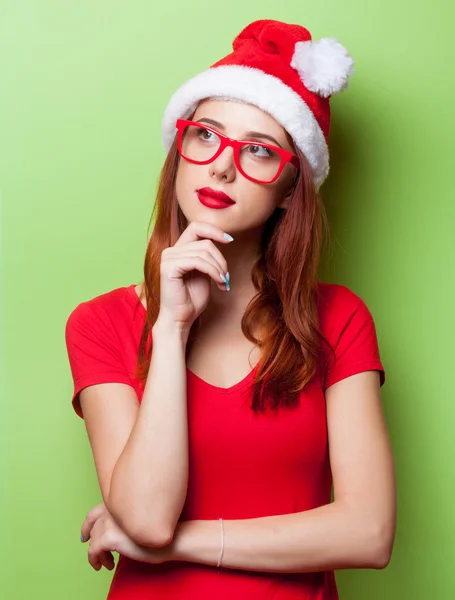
(277, 67)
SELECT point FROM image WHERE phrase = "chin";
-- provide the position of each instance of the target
(207, 215)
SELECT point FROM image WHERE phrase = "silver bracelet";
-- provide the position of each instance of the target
(222, 544)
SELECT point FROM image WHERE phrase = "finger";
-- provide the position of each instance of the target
(205, 255)
(176, 269)
(92, 516)
(99, 558)
(202, 245)
(198, 230)
(107, 559)
(94, 558)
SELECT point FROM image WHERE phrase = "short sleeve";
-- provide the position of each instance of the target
(93, 350)
(355, 342)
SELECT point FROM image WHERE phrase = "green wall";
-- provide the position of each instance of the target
(83, 87)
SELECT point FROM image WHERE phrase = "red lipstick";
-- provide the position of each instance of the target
(214, 198)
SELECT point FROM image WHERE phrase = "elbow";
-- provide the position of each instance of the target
(381, 559)
(152, 535)
(142, 531)
(382, 545)
(383, 555)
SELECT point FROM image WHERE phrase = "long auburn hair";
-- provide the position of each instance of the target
(285, 277)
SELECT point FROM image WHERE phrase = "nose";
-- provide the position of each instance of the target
(223, 167)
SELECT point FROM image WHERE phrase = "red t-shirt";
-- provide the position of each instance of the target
(242, 465)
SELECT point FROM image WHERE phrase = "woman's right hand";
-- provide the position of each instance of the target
(186, 271)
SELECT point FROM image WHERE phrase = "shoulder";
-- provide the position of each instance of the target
(347, 324)
(337, 304)
(108, 303)
(99, 340)
(336, 295)
(103, 311)
(342, 314)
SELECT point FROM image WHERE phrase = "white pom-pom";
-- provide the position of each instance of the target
(324, 66)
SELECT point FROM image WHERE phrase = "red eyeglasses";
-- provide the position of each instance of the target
(259, 162)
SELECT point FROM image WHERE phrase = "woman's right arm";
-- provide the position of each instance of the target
(149, 482)
(141, 453)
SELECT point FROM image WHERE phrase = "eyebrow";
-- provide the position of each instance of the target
(248, 134)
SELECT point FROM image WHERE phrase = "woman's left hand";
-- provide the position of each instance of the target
(106, 536)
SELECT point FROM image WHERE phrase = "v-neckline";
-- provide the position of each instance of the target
(219, 390)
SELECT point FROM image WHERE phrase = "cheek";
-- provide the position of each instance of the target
(184, 182)
(257, 204)
(188, 179)
(181, 177)
(264, 198)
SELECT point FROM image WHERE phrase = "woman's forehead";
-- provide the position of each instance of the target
(239, 117)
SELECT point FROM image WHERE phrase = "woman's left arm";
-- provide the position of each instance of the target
(356, 530)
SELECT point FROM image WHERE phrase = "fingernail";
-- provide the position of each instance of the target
(226, 281)
(82, 538)
(228, 277)
(228, 237)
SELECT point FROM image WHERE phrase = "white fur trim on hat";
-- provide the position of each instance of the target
(324, 66)
(253, 86)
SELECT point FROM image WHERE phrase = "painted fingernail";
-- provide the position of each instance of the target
(228, 277)
(82, 538)
(223, 278)
(228, 237)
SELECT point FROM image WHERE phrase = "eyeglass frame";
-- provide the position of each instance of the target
(285, 155)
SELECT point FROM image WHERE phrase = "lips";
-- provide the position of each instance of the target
(214, 198)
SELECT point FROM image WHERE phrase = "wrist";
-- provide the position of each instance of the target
(179, 548)
(197, 541)
(169, 330)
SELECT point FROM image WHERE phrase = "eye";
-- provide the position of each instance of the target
(205, 134)
(260, 151)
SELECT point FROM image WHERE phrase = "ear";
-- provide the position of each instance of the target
(284, 203)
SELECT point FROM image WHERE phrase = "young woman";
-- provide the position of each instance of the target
(225, 393)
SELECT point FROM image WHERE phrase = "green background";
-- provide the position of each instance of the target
(83, 88)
